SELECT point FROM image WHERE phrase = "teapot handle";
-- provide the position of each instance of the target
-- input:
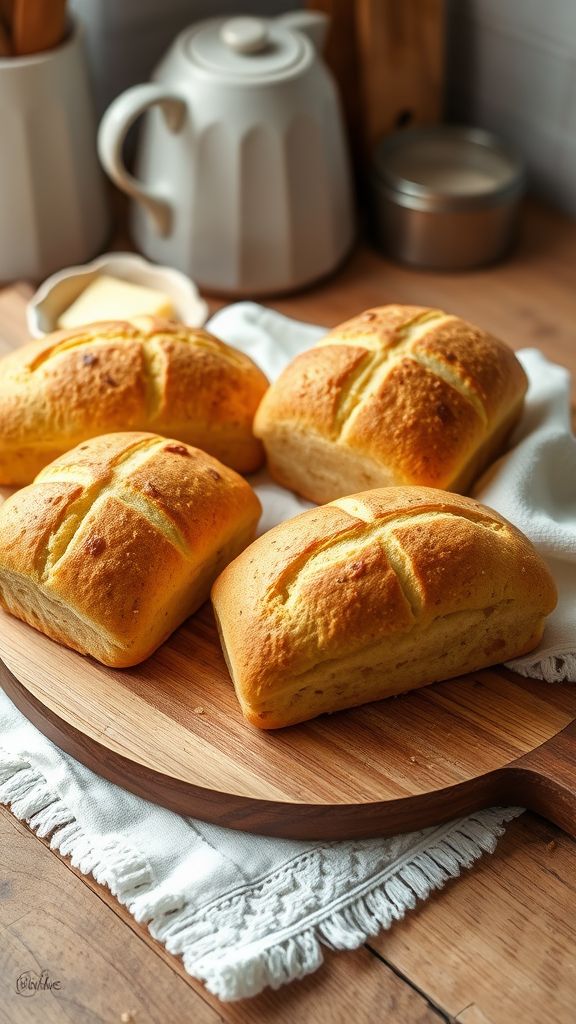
(313, 24)
(119, 117)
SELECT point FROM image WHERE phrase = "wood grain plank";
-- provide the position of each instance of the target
(109, 950)
(498, 946)
(547, 773)
(400, 64)
(472, 1015)
(50, 921)
(387, 59)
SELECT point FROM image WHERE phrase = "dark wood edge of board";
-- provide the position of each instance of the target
(543, 780)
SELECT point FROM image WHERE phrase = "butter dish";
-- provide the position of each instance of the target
(61, 289)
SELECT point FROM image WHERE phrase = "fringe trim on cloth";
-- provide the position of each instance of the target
(230, 968)
(557, 668)
(110, 862)
(385, 899)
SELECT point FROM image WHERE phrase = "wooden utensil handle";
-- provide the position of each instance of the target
(545, 779)
(37, 25)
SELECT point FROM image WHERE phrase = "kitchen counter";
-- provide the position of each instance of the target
(495, 947)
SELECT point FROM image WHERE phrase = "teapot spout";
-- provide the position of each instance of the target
(312, 24)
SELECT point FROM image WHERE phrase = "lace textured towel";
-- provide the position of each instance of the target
(245, 911)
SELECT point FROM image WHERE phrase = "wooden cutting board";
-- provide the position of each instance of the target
(171, 730)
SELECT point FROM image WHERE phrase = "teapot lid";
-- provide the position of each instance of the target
(251, 49)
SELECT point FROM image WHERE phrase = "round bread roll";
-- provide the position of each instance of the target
(119, 540)
(146, 374)
(397, 395)
(372, 595)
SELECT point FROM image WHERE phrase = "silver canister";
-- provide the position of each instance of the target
(445, 197)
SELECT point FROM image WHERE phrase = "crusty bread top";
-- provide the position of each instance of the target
(337, 577)
(123, 375)
(106, 526)
(413, 387)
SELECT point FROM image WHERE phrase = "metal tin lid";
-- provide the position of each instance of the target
(446, 167)
(246, 49)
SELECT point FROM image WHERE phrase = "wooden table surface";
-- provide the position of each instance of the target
(498, 946)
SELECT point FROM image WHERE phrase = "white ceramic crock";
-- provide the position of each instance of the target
(242, 179)
(53, 207)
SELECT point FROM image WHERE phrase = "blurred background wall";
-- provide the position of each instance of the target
(511, 67)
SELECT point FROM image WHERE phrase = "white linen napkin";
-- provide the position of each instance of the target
(245, 911)
(534, 486)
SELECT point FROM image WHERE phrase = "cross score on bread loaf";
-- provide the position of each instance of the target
(148, 374)
(399, 394)
(118, 541)
(374, 594)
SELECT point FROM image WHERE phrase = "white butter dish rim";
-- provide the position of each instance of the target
(60, 290)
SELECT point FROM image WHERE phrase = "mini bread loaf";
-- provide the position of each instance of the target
(148, 374)
(398, 395)
(372, 595)
(119, 540)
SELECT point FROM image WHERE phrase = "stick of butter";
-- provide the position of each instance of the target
(109, 298)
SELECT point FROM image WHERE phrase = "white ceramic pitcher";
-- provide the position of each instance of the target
(242, 177)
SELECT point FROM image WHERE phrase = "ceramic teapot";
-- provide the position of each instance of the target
(242, 178)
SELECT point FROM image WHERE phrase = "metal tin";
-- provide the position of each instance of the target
(445, 197)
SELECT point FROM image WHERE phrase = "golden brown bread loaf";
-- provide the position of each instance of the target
(374, 594)
(398, 395)
(119, 540)
(148, 374)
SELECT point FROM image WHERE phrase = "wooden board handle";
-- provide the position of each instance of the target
(544, 780)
